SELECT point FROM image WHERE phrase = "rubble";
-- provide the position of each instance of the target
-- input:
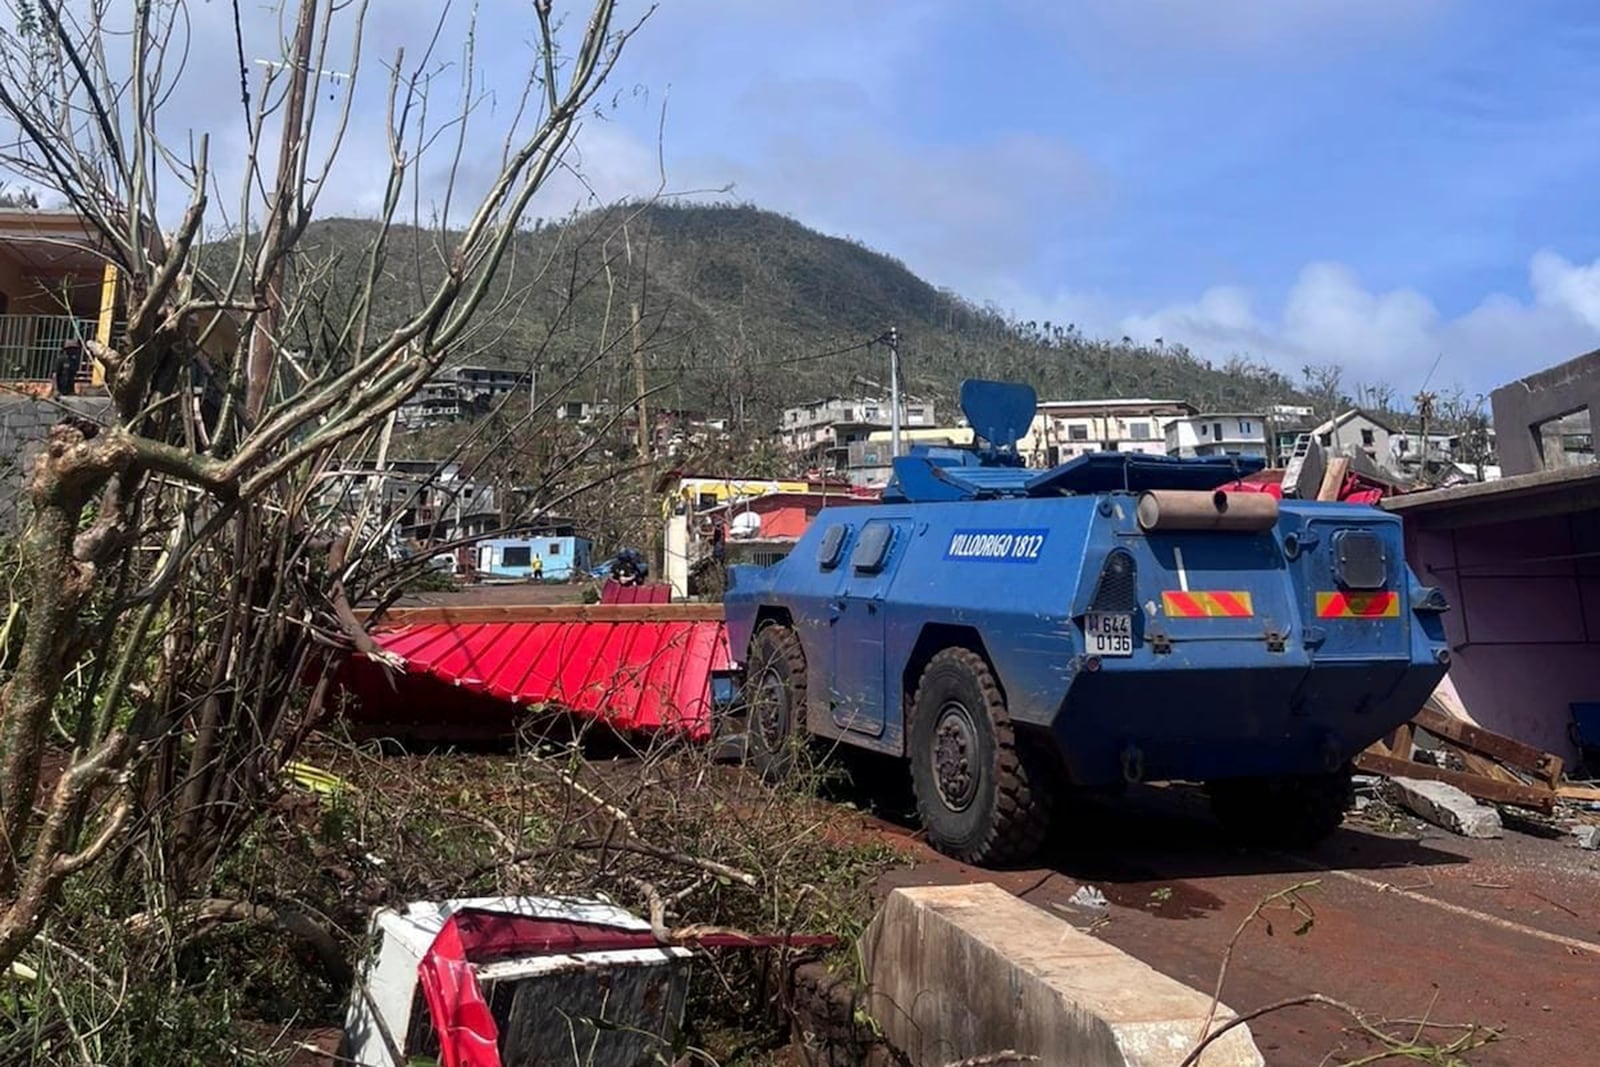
(1588, 837)
(1446, 806)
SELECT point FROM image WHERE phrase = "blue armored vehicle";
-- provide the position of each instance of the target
(1018, 633)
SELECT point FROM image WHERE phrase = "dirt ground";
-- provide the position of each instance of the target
(1411, 925)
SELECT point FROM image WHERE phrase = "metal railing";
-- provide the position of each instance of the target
(31, 344)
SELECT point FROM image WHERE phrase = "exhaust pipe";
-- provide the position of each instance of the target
(1180, 509)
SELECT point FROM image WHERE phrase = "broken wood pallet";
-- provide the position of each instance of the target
(1537, 797)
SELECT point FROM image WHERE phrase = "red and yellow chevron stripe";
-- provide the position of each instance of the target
(1207, 604)
(1358, 605)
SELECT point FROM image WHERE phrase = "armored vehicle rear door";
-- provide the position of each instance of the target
(857, 613)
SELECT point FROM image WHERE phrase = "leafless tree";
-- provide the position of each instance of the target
(176, 557)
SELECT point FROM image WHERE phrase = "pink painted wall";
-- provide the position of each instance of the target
(1524, 627)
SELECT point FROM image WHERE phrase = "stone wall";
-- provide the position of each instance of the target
(24, 422)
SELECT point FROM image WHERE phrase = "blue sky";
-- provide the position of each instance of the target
(1373, 183)
(1377, 183)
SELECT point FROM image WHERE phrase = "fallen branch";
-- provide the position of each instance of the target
(215, 911)
(1475, 1037)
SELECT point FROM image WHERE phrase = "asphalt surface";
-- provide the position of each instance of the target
(1410, 925)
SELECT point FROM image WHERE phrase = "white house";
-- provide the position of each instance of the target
(1220, 434)
(1063, 429)
(1357, 429)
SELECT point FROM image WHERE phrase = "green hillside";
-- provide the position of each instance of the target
(740, 307)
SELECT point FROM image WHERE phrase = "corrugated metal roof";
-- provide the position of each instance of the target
(614, 592)
(634, 675)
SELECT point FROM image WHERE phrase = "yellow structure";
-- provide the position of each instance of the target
(682, 495)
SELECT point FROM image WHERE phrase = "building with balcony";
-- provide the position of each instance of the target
(820, 433)
(1218, 434)
(57, 291)
(1063, 429)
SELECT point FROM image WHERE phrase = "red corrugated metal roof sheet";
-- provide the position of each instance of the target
(634, 674)
(614, 592)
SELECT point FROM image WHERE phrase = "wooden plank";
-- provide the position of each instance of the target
(462, 615)
(1511, 752)
(1333, 478)
(1578, 792)
(1402, 743)
(1482, 766)
(1521, 796)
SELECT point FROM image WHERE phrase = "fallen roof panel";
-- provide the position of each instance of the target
(634, 674)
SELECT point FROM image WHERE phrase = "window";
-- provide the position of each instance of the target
(1246, 427)
(1366, 438)
(1077, 433)
(1326, 439)
(873, 548)
(705, 500)
(832, 543)
(1139, 431)
(1205, 431)
(555, 549)
(516, 556)
(1216, 430)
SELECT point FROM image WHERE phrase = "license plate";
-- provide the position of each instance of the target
(1108, 633)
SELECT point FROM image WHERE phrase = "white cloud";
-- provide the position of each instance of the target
(1391, 336)
(1559, 284)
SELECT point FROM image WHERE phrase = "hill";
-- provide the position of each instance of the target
(743, 311)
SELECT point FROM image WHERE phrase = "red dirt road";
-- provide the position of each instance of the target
(1502, 933)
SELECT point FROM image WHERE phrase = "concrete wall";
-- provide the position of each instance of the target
(24, 422)
(1519, 409)
(1524, 627)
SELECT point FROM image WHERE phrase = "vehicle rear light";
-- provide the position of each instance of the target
(1360, 560)
(1118, 587)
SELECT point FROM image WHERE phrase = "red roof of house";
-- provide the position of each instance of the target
(631, 674)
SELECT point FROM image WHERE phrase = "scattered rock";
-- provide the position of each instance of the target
(1588, 836)
(1444, 805)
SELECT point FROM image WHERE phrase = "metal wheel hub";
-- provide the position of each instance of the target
(955, 754)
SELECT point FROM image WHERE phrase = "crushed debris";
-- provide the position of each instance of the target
(1088, 896)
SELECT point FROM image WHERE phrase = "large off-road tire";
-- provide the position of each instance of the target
(982, 795)
(775, 701)
(1291, 810)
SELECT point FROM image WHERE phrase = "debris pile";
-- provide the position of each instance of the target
(1441, 765)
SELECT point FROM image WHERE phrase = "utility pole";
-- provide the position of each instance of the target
(892, 339)
(639, 386)
(285, 197)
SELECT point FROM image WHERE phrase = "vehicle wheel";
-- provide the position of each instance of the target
(982, 797)
(1288, 810)
(775, 701)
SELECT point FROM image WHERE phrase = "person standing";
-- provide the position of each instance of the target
(538, 567)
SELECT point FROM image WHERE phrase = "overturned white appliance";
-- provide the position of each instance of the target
(515, 982)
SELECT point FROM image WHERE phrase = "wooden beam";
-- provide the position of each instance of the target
(1333, 478)
(1488, 743)
(1522, 796)
(464, 615)
(1579, 792)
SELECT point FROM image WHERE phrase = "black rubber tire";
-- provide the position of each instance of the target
(775, 701)
(1292, 810)
(1002, 814)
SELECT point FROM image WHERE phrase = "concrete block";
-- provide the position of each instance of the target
(1444, 805)
(964, 971)
(1588, 836)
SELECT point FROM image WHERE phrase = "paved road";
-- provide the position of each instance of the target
(1500, 933)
